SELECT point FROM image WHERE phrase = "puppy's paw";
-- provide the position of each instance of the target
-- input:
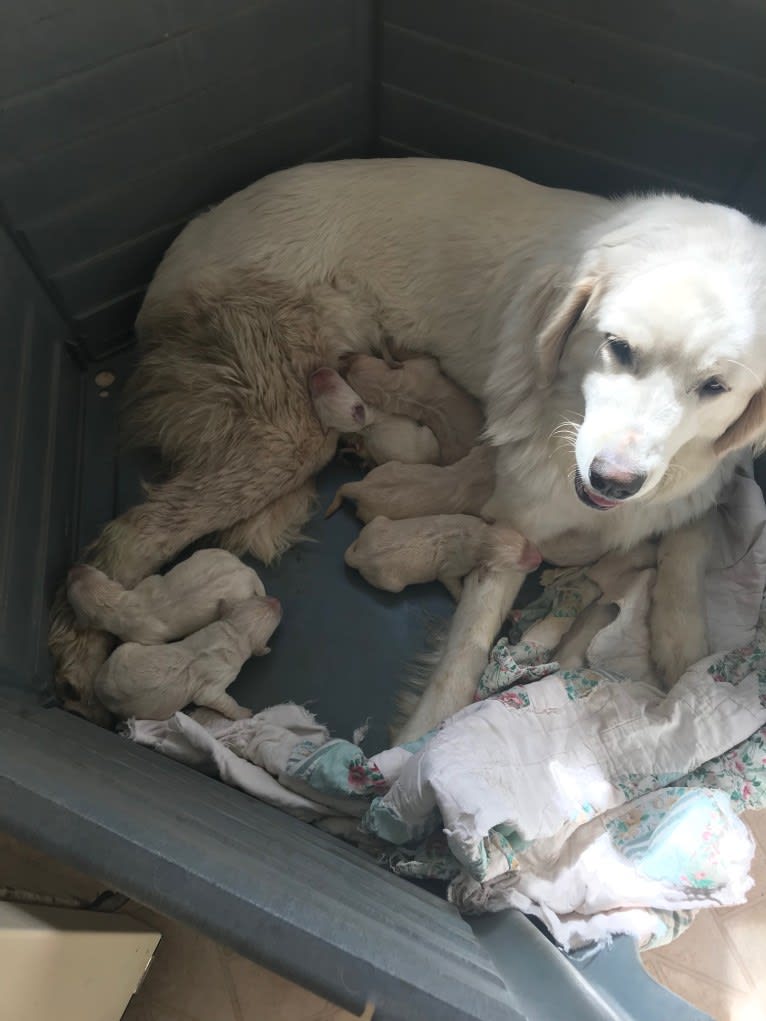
(346, 361)
(241, 713)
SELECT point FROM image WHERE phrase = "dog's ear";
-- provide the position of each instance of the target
(748, 429)
(557, 325)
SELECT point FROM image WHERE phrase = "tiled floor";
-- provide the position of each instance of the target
(719, 964)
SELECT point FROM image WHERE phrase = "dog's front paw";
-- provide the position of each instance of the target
(676, 648)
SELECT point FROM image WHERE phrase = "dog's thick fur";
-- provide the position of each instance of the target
(515, 289)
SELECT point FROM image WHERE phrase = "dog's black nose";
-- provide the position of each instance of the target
(615, 481)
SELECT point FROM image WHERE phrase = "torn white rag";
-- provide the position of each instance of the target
(569, 794)
(248, 758)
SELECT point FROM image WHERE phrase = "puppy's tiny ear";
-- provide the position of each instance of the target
(749, 429)
(556, 327)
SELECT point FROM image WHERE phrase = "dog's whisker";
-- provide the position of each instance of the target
(560, 450)
(567, 431)
(564, 429)
(565, 443)
(733, 361)
(604, 344)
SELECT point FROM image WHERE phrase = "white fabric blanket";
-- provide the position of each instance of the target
(585, 796)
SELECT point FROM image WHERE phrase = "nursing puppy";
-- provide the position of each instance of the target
(618, 348)
(418, 390)
(381, 436)
(408, 412)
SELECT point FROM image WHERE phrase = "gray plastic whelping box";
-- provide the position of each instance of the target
(120, 121)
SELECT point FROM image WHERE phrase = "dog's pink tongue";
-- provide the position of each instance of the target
(601, 501)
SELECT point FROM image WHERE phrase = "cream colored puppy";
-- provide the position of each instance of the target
(162, 608)
(384, 437)
(419, 390)
(444, 547)
(396, 490)
(153, 682)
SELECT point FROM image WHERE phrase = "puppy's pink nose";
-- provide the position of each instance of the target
(321, 381)
(274, 603)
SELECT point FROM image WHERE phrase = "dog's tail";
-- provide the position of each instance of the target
(418, 675)
(336, 503)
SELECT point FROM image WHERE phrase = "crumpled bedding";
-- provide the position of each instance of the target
(581, 794)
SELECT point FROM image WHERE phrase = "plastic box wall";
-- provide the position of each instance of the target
(120, 121)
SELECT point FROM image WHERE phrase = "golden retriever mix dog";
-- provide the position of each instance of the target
(618, 348)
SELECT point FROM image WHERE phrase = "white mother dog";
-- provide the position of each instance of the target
(618, 347)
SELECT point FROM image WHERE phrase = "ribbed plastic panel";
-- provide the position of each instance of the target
(39, 449)
(118, 122)
(602, 97)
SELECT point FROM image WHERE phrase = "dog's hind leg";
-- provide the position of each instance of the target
(199, 501)
(251, 475)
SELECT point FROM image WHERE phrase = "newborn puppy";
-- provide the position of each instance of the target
(446, 547)
(383, 437)
(153, 682)
(397, 490)
(419, 390)
(162, 608)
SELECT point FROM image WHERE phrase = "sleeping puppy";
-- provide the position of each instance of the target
(396, 490)
(162, 608)
(445, 547)
(153, 682)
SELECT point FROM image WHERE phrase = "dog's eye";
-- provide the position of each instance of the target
(713, 387)
(620, 349)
